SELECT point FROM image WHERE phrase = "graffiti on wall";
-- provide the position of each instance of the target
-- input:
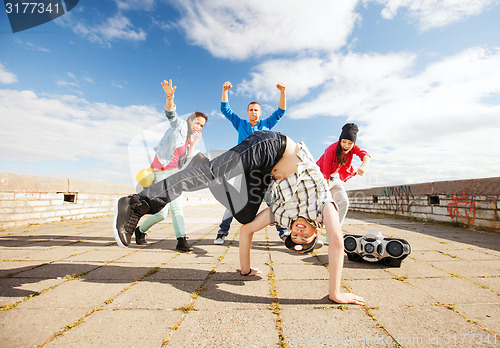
(461, 207)
(396, 190)
(400, 198)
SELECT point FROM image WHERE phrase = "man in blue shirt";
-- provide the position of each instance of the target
(244, 129)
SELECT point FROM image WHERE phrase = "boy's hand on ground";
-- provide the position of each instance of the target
(344, 298)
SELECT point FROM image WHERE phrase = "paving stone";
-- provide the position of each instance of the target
(454, 290)
(95, 331)
(7, 268)
(76, 293)
(149, 257)
(59, 269)
(331, 326)
(417, 268)
(389, 292)
(303, 292)
(485, 315)
(239, 293)
(227, 328)
(428, 326)
(100, 255)
(28, 327)
(144, 295)
(492, 283)
(156, 295)
(470, 268)
(13, 290)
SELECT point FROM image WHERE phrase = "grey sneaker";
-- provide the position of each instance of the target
(283, 237)
(219, 239)
(319, 244)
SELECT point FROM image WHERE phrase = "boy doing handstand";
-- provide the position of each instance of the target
(300, 200)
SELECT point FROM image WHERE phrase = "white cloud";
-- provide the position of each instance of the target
(299, 76)
(434, 13)
(73, 82)
(6, 77)
(439, 123)
(137, 5)
(31, 46)
(67, 129)
(114, 28)
(252, 28)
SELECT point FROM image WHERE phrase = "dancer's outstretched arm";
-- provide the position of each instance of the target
(246, 235)
(336, 257)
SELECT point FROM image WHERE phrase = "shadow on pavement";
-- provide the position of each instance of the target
(178, 278)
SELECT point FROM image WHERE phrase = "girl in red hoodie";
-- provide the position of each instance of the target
(336, 165)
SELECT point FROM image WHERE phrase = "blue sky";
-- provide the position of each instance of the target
(419, 77)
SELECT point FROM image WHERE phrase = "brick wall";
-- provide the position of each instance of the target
(28, 200)
(474, 203)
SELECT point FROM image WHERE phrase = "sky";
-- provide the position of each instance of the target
(419, 77)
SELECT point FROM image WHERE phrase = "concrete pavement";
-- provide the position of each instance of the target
(68, 284)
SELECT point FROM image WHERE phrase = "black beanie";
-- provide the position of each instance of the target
(349, 132)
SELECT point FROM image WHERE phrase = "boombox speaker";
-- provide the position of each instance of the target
(373, 247)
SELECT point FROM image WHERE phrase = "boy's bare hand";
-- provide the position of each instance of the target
(346, 297)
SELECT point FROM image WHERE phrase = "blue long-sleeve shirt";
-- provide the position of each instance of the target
(243, 127)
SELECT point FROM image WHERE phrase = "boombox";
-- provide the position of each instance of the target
(374, 247)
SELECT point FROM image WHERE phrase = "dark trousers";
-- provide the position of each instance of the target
(225, 225)
(253, 158)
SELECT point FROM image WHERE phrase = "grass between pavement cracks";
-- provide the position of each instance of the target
(274, 307)
(68, 277)
(404, 278)
(188, 307)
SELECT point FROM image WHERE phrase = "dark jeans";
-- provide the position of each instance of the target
(253, 158)
(226, 224)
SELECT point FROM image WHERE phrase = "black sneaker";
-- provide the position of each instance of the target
(140, 238)
(128, 211)
(183, 245)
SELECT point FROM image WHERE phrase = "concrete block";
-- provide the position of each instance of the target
(486, 204)
(440, 211)
(11, 203)
(17, 217)
(421, 209)
(65, 212)
(38, 203)
(6, 211)
(7, 196)
(485, 214)
(48, 214)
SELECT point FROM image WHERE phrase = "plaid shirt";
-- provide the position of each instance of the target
(304, 193)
